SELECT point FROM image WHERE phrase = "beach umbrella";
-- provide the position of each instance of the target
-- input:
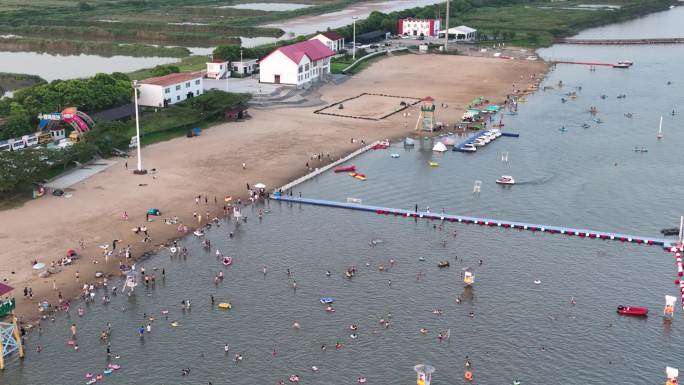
(260, 186)
(38, 266)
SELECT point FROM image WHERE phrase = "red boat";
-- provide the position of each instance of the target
(633, 310)
(351, 168)
(380, 146)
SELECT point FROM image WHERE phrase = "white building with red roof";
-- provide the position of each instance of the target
(331, 39)
(418, 27)
(169, 89)
(296, 64)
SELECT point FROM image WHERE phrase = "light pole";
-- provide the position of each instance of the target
(136, 87)
(446, 35)
(354, 49)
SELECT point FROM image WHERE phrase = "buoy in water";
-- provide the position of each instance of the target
(537, 282)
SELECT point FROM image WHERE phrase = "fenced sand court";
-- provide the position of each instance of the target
(368, 106)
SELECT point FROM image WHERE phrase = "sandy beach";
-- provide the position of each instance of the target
(275, 144)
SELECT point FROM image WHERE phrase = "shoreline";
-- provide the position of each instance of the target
(103, 223)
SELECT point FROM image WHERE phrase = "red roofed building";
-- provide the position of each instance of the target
(296, 64)
(331, 39)
(165, 90)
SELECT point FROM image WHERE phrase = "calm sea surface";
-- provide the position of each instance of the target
(585, 177)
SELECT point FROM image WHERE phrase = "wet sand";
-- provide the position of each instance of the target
(275, 144)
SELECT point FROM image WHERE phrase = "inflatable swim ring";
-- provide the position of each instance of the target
(174, 324)
(107, 372)
(468, 375)
(294, 378)
(114, 366)
(227, 261)
(71, 342)
(99, 377)
(91, 381)
(537, 282)
(173, 249)
(362, 380)
(225, 305)
(88, 375)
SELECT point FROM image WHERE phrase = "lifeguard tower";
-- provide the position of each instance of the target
(10, 339)
(426, 118)
(424, 374)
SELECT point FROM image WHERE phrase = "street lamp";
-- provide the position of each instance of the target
(136, 87)
(354, 49)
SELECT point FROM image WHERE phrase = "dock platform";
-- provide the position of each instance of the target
(488, 222)
(472, 138)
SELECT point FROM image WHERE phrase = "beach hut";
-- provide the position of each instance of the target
(439, 147)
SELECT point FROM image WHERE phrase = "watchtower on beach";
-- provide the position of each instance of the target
(426, 118)
(424, 374)
(10, 339)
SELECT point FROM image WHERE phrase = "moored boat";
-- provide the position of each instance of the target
(351, 168)
(632, 310)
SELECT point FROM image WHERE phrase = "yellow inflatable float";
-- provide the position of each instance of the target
(225, 305)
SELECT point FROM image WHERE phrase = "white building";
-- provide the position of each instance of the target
(418, 27)
(217, 69)
(461, 33)
(332, 40)
(244, 67)
(170, 89)
(296, 64)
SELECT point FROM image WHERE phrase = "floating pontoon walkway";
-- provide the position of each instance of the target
(581, 233)
(460, 147)
(661, 40)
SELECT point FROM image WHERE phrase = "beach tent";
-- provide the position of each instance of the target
(4, 289)
(439, 147)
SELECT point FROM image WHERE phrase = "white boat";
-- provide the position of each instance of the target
(409, 142)
(469, 147)
(660, 129)
(505, 179)
(479, 143)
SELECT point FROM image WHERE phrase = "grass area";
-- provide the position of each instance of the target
(11, 81)
(540, 24)
(187, 64)
(106, 49)
(172, 122)
(338, 65)
(190, 23)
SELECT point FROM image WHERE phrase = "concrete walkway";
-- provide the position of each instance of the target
(79, 174)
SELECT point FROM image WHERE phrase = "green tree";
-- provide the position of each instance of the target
(17, 123)
(163, 69)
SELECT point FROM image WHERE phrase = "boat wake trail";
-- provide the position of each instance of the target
(537, 181)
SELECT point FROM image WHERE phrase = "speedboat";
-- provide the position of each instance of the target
(469, 147)
(633, 310)
(479, 142)
(621, 65)
(505, 179)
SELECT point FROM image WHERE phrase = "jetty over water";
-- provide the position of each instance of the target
(659, 40)
(487, 222)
